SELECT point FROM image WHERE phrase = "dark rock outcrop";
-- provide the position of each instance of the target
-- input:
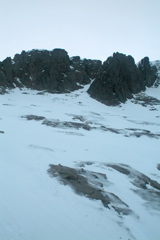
(78, 71)
(148, 72)
(119, 78)
(77, 180)
(44, 70)
(115, 81)
(6, 73)
(90, 185)
(85, 69)
(53, 71)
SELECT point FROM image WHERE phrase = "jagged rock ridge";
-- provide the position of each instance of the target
(53, 71)
(114, 81)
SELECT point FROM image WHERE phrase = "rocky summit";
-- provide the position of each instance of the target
(112, 82)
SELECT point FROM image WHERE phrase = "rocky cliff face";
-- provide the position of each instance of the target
(119, 78)
(148, 72)
(114, 81)
(53, 71)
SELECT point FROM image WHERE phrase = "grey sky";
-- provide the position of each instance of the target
(88, 28)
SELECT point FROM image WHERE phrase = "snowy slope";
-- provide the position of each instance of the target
(36, 206)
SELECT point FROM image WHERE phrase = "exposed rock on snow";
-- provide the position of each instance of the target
(34, 117)
(90, 185)
(139, 180)
(59, 124)
(54, 71)
(143, 132)
(147, 188)
(88, 125)
(145, 100)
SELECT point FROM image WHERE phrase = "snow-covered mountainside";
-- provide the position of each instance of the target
(73, 168)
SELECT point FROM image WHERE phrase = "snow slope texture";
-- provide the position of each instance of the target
(34, 205)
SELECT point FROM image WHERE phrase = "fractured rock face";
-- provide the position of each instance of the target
(44, 70)
(119, 78)
(148, 72)
(115, 81)
(53, 71)
(85, 69)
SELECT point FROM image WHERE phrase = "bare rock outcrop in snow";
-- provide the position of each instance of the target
(115, 81)
(120, 78)
(93, 185)
(90, 185)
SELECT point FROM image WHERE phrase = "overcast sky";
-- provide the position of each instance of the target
(88, 28)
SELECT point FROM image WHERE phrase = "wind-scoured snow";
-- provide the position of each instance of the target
(36, 206)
